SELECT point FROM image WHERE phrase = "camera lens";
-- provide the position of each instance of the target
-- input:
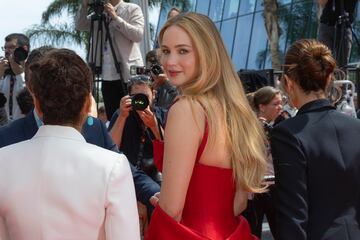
(20, 54)
(139, 102)
(156, 69)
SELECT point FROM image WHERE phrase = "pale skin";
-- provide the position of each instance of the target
(271, 110)
(297, 96)
(185, 128)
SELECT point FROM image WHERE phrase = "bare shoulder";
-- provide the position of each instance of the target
(185, 108)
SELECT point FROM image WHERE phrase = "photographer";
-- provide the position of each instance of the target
(335, 27)
(133, 130)
(126, 28)
(165, 91)
(12, 71)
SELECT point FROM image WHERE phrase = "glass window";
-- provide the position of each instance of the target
(241, 44)
(260, 5)
(165, 7)
(186, 6)
(216, 9)
(247, 6)
(231, 8)
(227, 33)
(301, 22)
(258, 42)
(218, 25)
(203, 6)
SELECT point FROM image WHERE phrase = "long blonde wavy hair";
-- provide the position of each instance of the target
(217, 84)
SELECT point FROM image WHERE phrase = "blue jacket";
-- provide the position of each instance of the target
(25, 128)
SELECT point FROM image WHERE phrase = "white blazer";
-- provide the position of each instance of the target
(57, 186)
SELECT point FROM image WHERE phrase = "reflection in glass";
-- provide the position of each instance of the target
(302, 21)
(227, 33)
(216, 9)
(186, 5)
(203, 7)
(241, 43)
(230, 8)
(218, 24)
(258, 43)
(247, 6)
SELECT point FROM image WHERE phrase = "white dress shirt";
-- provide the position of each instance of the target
(56, 186)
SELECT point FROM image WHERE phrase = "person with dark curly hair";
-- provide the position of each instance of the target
(87, 192)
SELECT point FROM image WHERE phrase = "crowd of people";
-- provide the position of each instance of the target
(182, 152)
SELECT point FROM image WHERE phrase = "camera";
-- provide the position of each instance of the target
(155, 69)
(139, 101)
(20, 54)
(97, 6)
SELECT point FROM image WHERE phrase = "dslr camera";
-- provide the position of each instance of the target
(141, 70)
(20, 54)
(97, 6)
(139, 101)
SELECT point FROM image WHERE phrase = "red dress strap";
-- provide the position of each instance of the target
(203, 142)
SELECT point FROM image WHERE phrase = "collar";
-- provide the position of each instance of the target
(38, 120)
(59, 132)
(315, 105)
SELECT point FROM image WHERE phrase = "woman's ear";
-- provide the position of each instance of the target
(287, 84)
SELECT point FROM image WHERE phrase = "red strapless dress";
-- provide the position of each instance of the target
(208, 211)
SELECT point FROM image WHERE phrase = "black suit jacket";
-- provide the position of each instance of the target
(317, 168)
(25, 128)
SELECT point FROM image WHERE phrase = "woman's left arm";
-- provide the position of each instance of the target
(182, 138)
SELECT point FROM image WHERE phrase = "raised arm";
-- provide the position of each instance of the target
(132, 29)
(82, 20)
(184, 129)
(117, 122)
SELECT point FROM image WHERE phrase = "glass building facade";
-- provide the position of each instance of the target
(242, 27)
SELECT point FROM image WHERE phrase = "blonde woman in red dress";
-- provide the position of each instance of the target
(214, 152)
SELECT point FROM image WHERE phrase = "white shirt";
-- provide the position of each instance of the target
(56, 186)
(19, 84)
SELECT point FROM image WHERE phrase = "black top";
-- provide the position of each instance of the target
(332, 11)
(317, 168)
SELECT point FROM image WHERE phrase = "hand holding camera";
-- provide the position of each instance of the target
(125, 106)
(148, 118)
(4, 65)
(15, 65)
(110, 10)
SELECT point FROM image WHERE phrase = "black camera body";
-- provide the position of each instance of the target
(20, 54)
(97, 6)
(139, 101)
(155, 69)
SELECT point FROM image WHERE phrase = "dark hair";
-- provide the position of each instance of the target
(309, 63)
(61, 82)
(264, 96)
(139, 80)
(22, 40)
(25, 101)
(34, 56)
(152, 57)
